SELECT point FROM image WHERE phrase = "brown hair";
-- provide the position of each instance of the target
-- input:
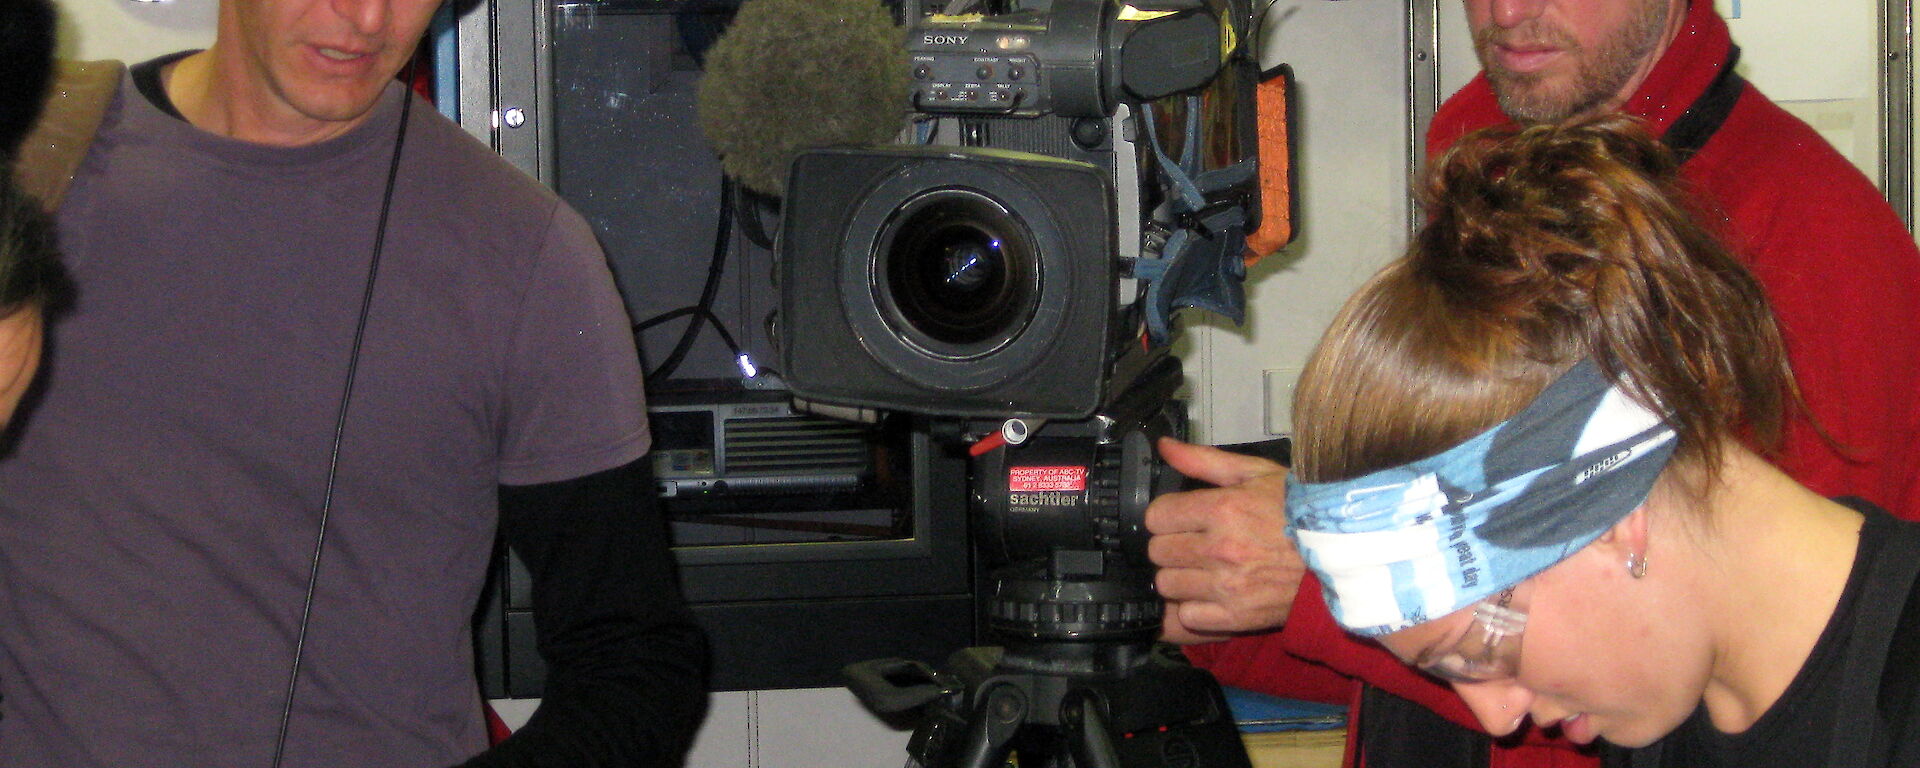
(1544, 246)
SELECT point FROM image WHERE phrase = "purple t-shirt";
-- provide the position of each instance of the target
(158, 514)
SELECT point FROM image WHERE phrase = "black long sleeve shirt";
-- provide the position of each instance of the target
(626, 665)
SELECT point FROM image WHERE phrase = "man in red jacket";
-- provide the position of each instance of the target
(1838, 265)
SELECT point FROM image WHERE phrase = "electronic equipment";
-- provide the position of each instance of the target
(1071, 58)
(804, 544)
(958, 281)
(1091, 168)
(1099, 171)
(752, 442)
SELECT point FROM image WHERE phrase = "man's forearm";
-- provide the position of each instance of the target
(626, 665)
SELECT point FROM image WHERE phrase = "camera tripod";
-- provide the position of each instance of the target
(1078, 681)
(1058, 705)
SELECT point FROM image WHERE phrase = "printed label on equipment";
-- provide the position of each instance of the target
(1032, 479)
(1032, 502)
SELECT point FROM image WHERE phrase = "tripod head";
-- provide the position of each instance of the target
(1078, 681)
(1060, 518)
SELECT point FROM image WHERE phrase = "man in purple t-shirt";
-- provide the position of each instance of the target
(212, 391)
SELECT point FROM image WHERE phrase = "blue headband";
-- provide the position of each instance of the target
(1416, 542)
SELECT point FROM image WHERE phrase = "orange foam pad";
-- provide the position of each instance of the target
(1276, 172)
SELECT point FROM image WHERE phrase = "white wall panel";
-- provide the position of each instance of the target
(133, 30)
(1821, 61)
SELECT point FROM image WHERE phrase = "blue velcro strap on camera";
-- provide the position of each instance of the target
(1198, 271)
(1201, 265)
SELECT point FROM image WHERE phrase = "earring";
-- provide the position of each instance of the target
(1636, 565)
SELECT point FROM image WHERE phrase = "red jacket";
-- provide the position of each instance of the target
(1844, 278)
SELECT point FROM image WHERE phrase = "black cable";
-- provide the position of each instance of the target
(699, 313)
(1257, 25)
(340, 422)
(750, 205)
(715, 267)
(672, 314)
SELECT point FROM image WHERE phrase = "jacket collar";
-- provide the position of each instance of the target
(1685, 70)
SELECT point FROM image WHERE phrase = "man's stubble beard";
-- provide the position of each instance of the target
(1598, 80)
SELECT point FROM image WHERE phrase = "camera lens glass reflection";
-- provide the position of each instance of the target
(959, 269)
(973, 262)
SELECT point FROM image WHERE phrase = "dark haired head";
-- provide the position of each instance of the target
(30, 273)
(26, 65)
(30, 270)
(1544, 246)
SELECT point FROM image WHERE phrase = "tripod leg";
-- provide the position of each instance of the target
(1002, 709)
(1175, 714)
(1089, 733)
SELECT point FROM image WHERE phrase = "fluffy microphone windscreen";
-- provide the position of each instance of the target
(26, 63)
(791, 75)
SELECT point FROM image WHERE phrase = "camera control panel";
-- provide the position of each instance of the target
(961, 82)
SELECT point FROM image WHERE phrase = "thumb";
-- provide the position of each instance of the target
(1212, 465)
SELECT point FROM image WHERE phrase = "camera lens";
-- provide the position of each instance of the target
(956, 273)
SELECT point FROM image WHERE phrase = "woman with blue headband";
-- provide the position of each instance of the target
(1531, 460)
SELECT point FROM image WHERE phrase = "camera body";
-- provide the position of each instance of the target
(988, 271)
(1071, 58)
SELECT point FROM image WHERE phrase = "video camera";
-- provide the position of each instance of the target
(1077, 171)
(1081, 170)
